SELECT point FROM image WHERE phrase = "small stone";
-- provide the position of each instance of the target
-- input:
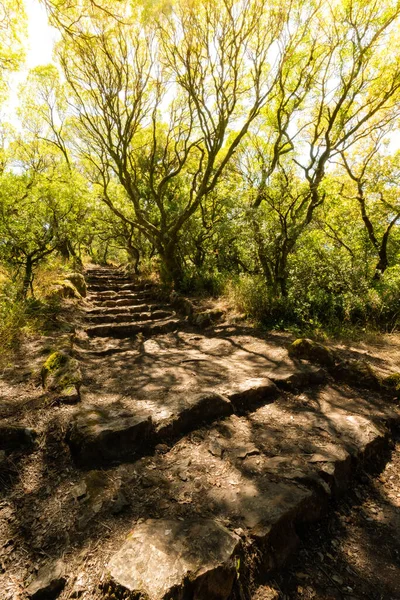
(215, 449)
(49, 583)
(69, 395)
(162, 448)
(244, 452)
(80, 490)
(119, 503)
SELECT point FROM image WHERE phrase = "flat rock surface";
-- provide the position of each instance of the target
(225, 361)
(169, 558)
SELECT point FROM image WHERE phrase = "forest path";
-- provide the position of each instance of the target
(191, 463)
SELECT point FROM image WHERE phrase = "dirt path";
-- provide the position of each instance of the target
(195, 463)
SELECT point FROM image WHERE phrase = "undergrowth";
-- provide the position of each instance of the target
(362, 315)
(36, 315)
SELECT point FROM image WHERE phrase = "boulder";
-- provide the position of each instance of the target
(177, 559)
(312, 351)
(61, 375)
(78, 281)
(63, 289)
(99, 435)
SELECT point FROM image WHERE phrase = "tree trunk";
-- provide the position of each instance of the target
(134, 256)
(171, 271)
(27, 282)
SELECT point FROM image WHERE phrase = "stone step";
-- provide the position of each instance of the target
(121, 330)
(193, 558)
(91, 447)
(117, 287)
(125, 295)
(105, 273)
(100, 280)
(110, 294)
(100, 435)
(263, 475)
(130, 301)
(127, 317)
(109, 274)
(99, 310)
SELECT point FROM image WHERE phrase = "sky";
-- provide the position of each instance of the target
(41, 36)
(39, 49)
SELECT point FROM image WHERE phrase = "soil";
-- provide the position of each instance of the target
(50, 509)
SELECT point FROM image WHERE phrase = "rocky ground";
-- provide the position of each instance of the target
(194, 463)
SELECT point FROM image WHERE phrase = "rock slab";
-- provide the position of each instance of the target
(173, 559)
(97, 435)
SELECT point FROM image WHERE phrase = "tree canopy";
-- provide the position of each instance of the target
(245, 143)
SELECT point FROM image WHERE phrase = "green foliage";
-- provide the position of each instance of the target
(172, 142)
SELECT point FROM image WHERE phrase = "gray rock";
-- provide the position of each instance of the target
(252, 393)
(98, 435)
(49, 582)
(194, 410)
(175, 559)
(302, 377)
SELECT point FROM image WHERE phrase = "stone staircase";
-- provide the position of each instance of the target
(222, 445)
(122, 308)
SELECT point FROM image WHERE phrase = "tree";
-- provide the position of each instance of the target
(163, 108)
(338, 87)
(374, 185)
(40, 203)
(44, 108)
(12, 34)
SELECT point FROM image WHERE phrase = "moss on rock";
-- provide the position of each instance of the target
(61, 375)
(312, 351)
(57, 360)
(63, 289)
(78, 281)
